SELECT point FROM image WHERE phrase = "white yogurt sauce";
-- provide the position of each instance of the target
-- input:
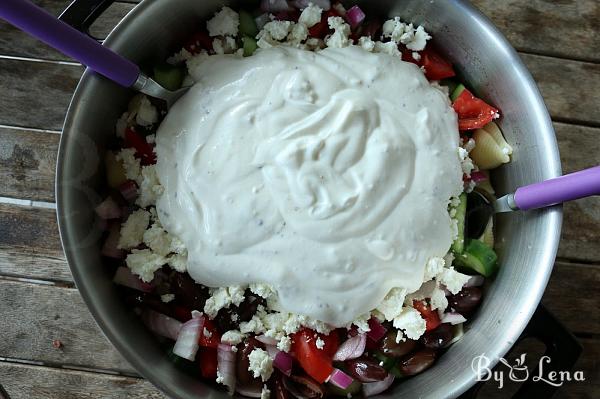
(326, 175)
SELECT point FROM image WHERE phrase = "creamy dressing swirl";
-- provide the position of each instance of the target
(326, 175)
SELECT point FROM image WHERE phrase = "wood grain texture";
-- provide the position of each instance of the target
(29, 244)
(36, 382)
(13, 42)
(40, 93)
(47, 313)
(566, 28)
(27, 164)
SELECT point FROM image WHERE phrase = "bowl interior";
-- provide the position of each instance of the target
(526, 242)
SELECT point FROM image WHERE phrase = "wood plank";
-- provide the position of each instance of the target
(569, 87)
(566, 29)
(29, 244)
(47, 313)
(27, 164)
(580, 149)
(40, 93)
(26, 382)
(572, 295)
(13, 42)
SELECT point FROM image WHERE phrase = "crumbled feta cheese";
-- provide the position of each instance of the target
(232, 337)
(278, 30)
(179, 57)
(262, 290)
(193, 64)
(225, 45)
(178, 262)
(419, 40)
(313, 44)
(465, 161)
(298, 34)
(432, 291)
(340, 37)
(147, 114)
(433, 267)
(284, 344)
(311, 15)
(144, 263)
(265, 40)
(320, 343)
(255, 325)
(390, 48)
(158, 240)
(362, 322)
(261, 364)
(411, 322)
(453, 280)
(222, 298)
(400, 32)
(122, 124)
(151, 138)
(400, 337)
(206, 333)
(220, 379)
(391, 306)
(416, 56)
(225, 23)
(438, 299)
(131, 164)
(454, 227)
(132, 231)
(265, 393)
(367, 43)
(166, 298)
(150, 187)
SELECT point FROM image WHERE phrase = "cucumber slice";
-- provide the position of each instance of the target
(250, 46)
(168, 76)
(459, 89)
(247, 25)
(386, 362)
(479, 258)
(458, 246)
(450, 83)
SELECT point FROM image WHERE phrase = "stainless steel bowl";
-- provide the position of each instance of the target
(527, 242)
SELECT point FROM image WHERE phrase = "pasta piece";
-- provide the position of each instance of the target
(491, 149)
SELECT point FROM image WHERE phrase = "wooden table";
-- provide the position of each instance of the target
(558, 40)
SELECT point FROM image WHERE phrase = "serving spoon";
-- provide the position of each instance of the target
(569, 187)
(44, 26)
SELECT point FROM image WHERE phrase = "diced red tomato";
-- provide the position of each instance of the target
(198, 42)
(143, 150)
(207, 359)
(182, 314)
(436, 66)
(211, 341)
(473, 113)
(321, 29)
(432, 319)
(316, 362)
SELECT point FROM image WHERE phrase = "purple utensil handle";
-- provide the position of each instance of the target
(37, 22)
(555, 191)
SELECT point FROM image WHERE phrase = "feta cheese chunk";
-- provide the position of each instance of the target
(265, 393)
(311, 15)
(278, 30)
(144, 263)
(411, 322)
(453, 280)
(341, 35)
(132, 231)
(391, 306)
(166, 298)
(261, 364)
(400, 32)
(150, 188)
(284, 344)
(147, 114)
(222, 298)
(232, 337)
(225, 23)
(131, 164)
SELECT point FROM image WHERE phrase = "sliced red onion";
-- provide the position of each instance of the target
(108, 209)
(340, 379)
(161, 324)
(275, 6)
(266, 340)
(226, 366)
(375, 388)
(187, 341)
(453, 318)
(110, 247)
(302, 4)
(271, 350)
(251, 392)
(458, 332)
(377, 330)
(352, 348)
(283, 361)
(475, 281)
(129, 190)
(355, 16)
(478, 176)
(126, 278)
